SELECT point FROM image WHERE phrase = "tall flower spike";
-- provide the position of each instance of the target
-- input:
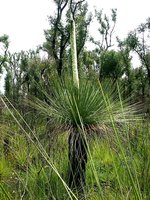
(74, 53)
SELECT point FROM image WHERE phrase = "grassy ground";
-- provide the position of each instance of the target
(118, 165)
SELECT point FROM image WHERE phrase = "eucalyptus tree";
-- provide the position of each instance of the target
(111, 65)
(138, 41)
(106, 33)
(15, 68)
(141, 83)
(126, 57)
(32, 72)
(58, 36)
(13, 77)
(25, 72)
(4, 44)
(106, 29)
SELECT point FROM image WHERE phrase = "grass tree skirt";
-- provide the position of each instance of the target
(77, 151)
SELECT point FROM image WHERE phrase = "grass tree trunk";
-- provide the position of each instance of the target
(77, 161)
(77, 150)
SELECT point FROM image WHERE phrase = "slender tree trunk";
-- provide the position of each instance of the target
(59, 67)
(148, 76)
(77, 162)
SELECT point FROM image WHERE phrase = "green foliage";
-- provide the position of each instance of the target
(8, 85)
(132, 40)
(137, 42)
(111, 65)
(5, 169)
(72, 106)
(4, 44)
(4, 39)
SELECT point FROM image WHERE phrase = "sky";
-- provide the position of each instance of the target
(25, 20)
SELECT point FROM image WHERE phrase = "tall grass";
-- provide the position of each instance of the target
(37, 145)
(117, 168)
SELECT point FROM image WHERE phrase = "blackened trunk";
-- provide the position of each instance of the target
(77, 161)
(59, 67)
(6, 147)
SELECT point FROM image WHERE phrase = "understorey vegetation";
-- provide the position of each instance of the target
(75, 123)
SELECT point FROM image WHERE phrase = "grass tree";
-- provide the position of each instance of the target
(76, 141)
(80, 108)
